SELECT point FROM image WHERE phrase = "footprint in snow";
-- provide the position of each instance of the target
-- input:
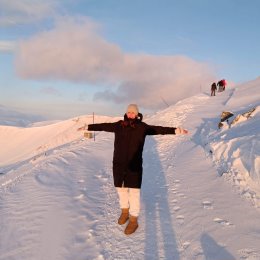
(207, 204)
(223, 222)
(184, 245)
(182, 195)
(102, 178)
(180, 219)
(176, 208)
(248, 254)
(81, 196)
(174, 201)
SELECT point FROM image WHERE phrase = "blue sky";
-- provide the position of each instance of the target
(65, 58)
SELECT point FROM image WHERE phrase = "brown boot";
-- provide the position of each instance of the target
(123, 217)
(132, 225)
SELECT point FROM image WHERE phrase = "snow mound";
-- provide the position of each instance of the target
(31, 142)
(236, 147)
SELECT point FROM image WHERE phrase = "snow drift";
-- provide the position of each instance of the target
(58, 202)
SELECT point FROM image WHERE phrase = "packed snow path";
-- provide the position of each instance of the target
(63, 205)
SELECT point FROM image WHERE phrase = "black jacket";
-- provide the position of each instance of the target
(128, 148)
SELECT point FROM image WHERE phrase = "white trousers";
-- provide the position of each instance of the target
(129, 198)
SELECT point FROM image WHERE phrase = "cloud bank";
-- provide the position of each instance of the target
(74, 50)
(7, 46)
(23, 11)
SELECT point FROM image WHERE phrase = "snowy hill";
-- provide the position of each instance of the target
(25, 143)
(58, 200)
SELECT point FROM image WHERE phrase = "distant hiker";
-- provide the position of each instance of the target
(213, 89)
(222, 85)
(129, 141)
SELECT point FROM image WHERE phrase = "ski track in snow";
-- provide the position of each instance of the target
(72, 209)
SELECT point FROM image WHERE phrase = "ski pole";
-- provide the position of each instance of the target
(93, 123)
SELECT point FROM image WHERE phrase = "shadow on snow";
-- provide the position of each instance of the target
(158, 220)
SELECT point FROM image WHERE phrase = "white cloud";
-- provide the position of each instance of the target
(75, 51)
(25, 11)
(7, 46)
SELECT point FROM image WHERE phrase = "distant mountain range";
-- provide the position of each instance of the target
(11, 117)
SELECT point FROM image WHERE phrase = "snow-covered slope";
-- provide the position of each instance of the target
(27, 143)
(200, 193)
(236, 148)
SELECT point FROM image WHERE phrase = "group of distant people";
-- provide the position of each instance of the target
(221, 85)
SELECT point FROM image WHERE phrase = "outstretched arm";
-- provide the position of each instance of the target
(161, 130)
(107, 127)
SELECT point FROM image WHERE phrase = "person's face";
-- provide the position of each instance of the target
(131, 115)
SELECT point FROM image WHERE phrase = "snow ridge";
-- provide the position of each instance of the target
(58, 202)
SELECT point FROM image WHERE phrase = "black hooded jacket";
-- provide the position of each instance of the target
(128, 148)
